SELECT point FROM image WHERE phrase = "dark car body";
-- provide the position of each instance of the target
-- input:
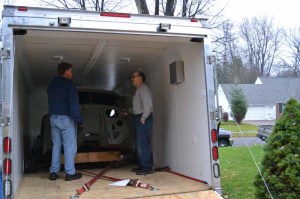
(264, 131)
(104, 127)
(224, 138)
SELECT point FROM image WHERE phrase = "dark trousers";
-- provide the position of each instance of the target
(143, 140)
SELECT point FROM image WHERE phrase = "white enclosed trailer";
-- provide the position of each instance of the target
(105, 48)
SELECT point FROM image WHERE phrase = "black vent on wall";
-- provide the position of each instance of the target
(176, 72)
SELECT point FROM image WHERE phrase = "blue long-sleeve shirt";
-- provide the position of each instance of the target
(63, 99)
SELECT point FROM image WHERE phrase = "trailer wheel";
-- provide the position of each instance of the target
(46, 138)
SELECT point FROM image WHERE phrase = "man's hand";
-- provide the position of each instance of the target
(79, 127)
(142, 120)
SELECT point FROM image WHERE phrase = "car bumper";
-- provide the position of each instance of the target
(230, 141)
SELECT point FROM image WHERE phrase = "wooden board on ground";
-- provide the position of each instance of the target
(104, 156)
(171, 186)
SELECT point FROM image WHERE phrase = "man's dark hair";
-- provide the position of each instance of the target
(142, 75)
(62, 67)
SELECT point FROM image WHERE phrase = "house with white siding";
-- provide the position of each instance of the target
(266, 97)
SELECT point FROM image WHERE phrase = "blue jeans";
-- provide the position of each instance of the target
(143, 140)
(63, 133)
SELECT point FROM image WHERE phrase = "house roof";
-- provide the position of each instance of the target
(272, 90)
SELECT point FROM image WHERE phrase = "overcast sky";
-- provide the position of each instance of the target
(284, 12)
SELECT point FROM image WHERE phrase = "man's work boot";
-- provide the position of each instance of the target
(53, 176)
(75, 176)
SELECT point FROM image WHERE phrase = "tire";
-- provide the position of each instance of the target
(46, 138)
(223, 143)
(30, 165)
(116, 164)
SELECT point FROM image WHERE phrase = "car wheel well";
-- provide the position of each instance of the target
(223, 142)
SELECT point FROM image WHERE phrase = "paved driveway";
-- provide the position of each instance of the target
(260, 122)
(244, 141)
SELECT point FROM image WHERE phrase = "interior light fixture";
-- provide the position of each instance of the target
(125, 59)
(58, 57)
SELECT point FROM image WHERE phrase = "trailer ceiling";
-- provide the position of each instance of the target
(100, 60)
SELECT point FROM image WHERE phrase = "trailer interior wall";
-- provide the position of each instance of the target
(181, 132)
(20, 119)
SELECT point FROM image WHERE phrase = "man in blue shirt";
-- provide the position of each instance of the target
(64, 111)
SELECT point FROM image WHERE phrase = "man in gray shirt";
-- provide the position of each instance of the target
(142, 108)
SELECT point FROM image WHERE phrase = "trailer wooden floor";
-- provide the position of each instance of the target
(171, 186)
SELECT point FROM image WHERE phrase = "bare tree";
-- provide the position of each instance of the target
(262, 43)
(291, 61)
(192, 8)
(156, 12)
(225, 41)
(142, 6)
(170, 7)
(225, 52)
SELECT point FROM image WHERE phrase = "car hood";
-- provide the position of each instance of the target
(224, 132)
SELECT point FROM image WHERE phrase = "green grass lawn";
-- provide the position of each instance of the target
(241, 130)
(238, 170)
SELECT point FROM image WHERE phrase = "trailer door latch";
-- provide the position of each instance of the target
(4, 121)
(211, 59)
(5, 53)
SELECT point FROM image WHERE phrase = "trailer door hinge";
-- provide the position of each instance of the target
(4, 121)
(5, 53)
(213, 115)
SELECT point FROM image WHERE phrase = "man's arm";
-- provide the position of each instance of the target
(147, 104)
(74, 104)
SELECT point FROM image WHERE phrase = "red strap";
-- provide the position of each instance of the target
(86, 186)
(132, 182)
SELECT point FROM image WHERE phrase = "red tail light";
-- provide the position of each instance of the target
(114, 14)
(6, 145)
(22, 9)
(215, 153)
(214, 135)
(7, 166)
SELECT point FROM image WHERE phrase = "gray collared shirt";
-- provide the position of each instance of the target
(142, 102)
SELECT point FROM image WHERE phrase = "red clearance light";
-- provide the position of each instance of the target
(114, 14)
(215, 153)
(22, 9)
(194, 20)
(6, 145)
(7, 166)
(214, 135)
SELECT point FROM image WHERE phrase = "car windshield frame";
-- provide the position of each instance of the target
(101, 98)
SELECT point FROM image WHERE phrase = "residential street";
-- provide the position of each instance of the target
(244, 141)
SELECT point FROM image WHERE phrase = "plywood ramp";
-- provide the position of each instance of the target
(171, 186)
